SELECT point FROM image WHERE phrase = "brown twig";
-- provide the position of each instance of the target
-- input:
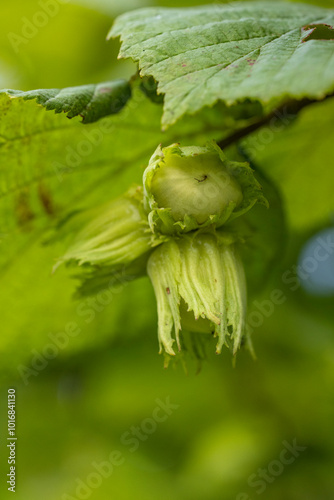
(289, 110)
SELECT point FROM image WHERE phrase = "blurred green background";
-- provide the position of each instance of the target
(229, 425)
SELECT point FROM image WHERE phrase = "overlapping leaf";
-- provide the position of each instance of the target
(233, 52)
(91, 102)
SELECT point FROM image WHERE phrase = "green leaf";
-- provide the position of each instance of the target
(298, 160)
(263, 232)
(91, 102)
(229, 52)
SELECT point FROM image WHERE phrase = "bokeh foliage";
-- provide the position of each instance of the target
(230, 421)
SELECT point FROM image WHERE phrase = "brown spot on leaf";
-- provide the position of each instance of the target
(168, 290)
(46, 200)
(23, 212)
(251, 62)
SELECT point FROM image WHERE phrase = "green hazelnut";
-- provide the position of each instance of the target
(187, 188)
